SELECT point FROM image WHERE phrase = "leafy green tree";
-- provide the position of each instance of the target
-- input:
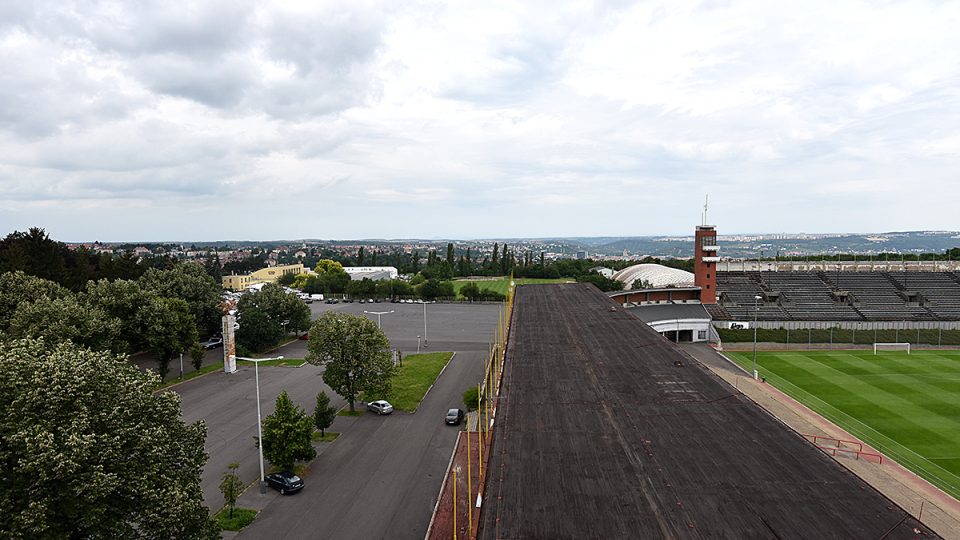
(394, 288)
(602, 283)
(354, 352)
(491, 295)
(287, 279)
(470, 291)
(258, 331)
(362, 288)
(66, 319)
(102, 456)
(361, 259)
(191, 283)
(231, 486)
(323, 413)
(331, 277)
(432, 289)
(18, 288)
(121, 299)
(471, 398)
(450, 259)
(284, 308)
(287, 434)
(168, 329)
(196, 355)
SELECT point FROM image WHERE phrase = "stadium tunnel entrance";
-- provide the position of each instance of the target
(685, 336)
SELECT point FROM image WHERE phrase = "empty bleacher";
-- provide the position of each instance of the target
(940, 291)
(844, 296)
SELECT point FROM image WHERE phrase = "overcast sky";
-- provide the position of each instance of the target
(230, 119)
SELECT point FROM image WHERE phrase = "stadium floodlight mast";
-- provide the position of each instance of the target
(756, 310)
(378, 314)
(256, 370)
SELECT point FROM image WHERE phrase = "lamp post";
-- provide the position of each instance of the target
(756, 310)
(424, 324)
(256, 370)
(378, 314)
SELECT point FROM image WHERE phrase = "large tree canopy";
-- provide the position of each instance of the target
(354, 352)
(191, 283)
(18, 288)
(67, 319)
(92, 452)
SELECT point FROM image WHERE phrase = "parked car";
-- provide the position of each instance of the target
(454, 417)
(285, 482)
(304, 336)
(212, 342)
(380, 407)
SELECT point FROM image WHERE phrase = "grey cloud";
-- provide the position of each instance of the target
(218, 83)
(41, 92)
(333, 40)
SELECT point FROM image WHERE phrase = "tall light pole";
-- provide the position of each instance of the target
(256, 370)
(424, 324)
(378, 314)
(756, 310)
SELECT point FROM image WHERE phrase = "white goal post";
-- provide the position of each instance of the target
(891, 347)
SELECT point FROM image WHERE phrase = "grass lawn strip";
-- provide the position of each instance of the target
(288, 362)
(893, 401)
(209, 368)
(329, 436)
(241, 518)
(414, 378)
(502, 284)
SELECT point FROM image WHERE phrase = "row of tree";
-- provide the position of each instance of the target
(163, 311)
(35, 253)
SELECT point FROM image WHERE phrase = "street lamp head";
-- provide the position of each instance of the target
(757, 297)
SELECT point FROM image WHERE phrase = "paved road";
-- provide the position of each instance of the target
(419, 445)
(381, 478)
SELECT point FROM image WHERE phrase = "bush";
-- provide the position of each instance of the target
(471, 399)
(241, 518)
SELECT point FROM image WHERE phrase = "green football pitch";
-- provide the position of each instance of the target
(501, 284)
(905, 405)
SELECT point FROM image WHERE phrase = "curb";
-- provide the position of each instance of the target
(443, 487)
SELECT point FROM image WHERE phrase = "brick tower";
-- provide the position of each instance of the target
(705, 263)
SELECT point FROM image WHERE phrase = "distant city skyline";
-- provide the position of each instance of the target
(243, 120)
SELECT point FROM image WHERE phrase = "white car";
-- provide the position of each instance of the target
(380, 407)
(212, 343)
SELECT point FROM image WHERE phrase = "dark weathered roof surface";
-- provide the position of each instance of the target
(663, 312)
(601, 435)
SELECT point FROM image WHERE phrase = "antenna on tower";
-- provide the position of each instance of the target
(706, 203)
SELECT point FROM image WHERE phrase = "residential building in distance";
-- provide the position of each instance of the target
(237, 282)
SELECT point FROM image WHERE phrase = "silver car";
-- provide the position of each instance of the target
(380, 407)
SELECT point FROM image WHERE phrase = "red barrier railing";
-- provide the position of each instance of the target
(834, 446)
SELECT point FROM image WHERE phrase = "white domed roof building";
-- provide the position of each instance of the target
(654, 276)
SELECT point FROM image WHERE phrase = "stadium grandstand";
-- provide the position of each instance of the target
(839, 296)
(854, 295)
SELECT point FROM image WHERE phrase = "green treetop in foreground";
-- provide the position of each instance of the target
(89, 451)
(287, 434)
(354, 352)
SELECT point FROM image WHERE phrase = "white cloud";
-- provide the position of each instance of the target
(492, 118)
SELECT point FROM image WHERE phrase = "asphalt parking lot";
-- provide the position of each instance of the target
(381, 477)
